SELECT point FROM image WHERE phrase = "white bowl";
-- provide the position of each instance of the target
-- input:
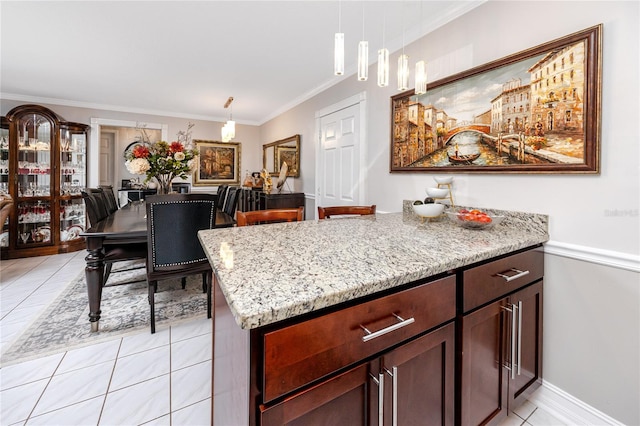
(444, 179)
(438, 192)
(428, 210)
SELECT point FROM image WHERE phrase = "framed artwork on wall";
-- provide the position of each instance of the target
(218, 163)
(289, 155)
(536, 111)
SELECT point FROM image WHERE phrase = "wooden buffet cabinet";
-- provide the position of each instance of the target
(462, 348)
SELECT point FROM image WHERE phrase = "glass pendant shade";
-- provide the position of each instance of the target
(223, 133)
(363, 60)
(383, 67)
(421, 78)
(338, 52)
(403, 72)
(231, 129)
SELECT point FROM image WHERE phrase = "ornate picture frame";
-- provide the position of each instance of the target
(218, 163)
(536, 111)
(290, 156)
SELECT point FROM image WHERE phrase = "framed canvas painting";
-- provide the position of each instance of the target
(218, 163)
(537, 111)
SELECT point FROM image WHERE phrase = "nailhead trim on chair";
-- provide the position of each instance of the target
(211, 221)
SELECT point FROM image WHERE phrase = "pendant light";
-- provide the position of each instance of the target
(421, 70)
(403, 66)
(229, 129)
(383, 61)
(363, 54)
(338, 47)
(421, 78)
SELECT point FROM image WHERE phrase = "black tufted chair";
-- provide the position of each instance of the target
(174, 251)
(109, 198)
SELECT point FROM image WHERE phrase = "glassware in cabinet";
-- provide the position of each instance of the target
(45, 172)
(72, 219)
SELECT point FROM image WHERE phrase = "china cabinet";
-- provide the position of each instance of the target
(43, 167)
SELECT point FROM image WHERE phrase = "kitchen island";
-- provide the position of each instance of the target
(284, 290)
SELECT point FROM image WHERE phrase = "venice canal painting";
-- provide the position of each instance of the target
(523, 115)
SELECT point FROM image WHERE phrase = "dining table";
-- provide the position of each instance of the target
(124, 230)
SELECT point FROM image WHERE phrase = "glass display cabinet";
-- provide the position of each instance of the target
(43, 167)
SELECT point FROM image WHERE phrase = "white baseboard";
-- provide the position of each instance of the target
(610, 258)
(569, 409)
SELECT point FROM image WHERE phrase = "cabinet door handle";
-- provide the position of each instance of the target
(380, 382)
(372, 335)
(394, 383)
(513, 340)
(519, 334)
(507, 278)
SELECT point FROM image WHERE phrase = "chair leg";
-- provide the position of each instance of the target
(208, 284)
(184, 282)
(153, 285)
(107, 272)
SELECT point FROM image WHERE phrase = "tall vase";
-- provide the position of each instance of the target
(164, 184)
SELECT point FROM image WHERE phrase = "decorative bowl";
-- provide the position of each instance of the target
(475, 219)
(443, 179)
(428, 210)
(438, 192)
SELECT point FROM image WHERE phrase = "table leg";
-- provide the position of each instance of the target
(94, 273)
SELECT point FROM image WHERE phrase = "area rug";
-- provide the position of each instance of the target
(64, 325)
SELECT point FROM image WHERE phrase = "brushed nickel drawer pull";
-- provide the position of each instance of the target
(519, 274)
(403, 322)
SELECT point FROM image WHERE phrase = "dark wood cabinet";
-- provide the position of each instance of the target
(501, 341)
(256, 199)
(410, 385)
(43, 167)
(460, 349)
(283, 200)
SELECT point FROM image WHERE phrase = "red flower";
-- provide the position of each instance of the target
(140, 152)
(176, 147)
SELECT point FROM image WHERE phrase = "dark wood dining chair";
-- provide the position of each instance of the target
(231, 201)
(270, 216)
(221, 195)
(327, 212)
(94, 205)
(174, 251)
(112, 252)
(109, 197)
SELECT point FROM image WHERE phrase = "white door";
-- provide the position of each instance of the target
(340, 179)
(107, 146)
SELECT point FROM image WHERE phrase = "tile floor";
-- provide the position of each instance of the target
(160, 379)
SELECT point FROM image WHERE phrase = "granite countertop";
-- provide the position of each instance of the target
(273, 272)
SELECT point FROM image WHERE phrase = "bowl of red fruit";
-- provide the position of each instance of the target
(474, 218)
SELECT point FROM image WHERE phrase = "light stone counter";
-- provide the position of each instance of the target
(273, 272)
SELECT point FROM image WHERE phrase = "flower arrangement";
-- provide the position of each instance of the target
(162, 160)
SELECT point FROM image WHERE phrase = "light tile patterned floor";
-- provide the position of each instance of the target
(160, 379)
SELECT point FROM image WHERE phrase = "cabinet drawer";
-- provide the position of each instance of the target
(500, 277)
(301, 353)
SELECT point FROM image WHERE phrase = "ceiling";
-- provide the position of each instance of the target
(185, 58)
